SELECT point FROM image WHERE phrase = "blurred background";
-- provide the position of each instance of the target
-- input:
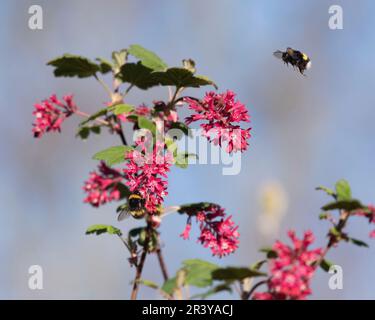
(307, 131)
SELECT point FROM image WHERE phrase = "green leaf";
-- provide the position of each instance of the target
(205, 81)
(104, 65)
(181, 77)
(119, 59)
(102, 228)
(182, 159)
(199, 272)
(270, 253)
(95, 129)
(359, 243)
(325, 265)
(145, 123)
(148, 283)
(348, 205)
(169, 286)
(214, 290)
(235, 273)
(148, 58)
(70, 65)
(192, 208)
(328, 191)
(137, 75)
(343, 190)
(83, 132)
(113, 155)
(122, 108)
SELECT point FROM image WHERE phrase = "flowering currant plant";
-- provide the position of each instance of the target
(135, 175)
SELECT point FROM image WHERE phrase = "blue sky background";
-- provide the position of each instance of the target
(307, 131)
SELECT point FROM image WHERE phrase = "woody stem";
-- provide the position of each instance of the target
(140, 266)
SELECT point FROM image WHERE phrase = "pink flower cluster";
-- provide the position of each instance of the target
(102, 186)
(217, 232)
(145, 172)
(221, 111)
(50, 114)
(292, 269)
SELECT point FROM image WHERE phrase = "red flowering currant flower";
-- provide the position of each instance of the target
(102, 186)
(218, 232)
(141, 110)
(263, 296)
(292, 269)
(223, 114)
(146, 173)
(50, 114)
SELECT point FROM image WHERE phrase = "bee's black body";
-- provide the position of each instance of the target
(134, 207)
(296, 58)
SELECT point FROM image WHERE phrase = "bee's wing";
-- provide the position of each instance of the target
(123, 215)
(278, 54)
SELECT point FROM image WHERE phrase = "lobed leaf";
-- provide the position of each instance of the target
(348, 205)
(113, 155)
(235, 273)
(144, 123)
(122, 108)
(104, 65)
(199, 272)
(148, 58)
(137, 75)
(181, 77)
(70, 65)
(193, 208)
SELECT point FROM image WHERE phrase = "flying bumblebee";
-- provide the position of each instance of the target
(134, 207)
(296, 58)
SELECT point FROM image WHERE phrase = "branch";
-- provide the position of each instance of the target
(86, 115)
(163, 267)
(140, 266)
(247, 295)
(121, 133)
